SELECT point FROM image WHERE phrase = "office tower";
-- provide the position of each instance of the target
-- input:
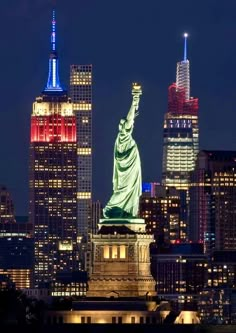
(180, 129)
(181, 142)
(53, 179)
(16, 258)
(219, 298)
(69, 284)
(16, 230)
(217, 306)
(180, 273)
(160, 208)
(213, 200)
(222, 269)
(7, 213)
(16, 245)
(81, 97)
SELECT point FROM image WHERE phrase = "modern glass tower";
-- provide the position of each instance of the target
(53, 176)
(181, 136)
(81, 97)
(181, 143)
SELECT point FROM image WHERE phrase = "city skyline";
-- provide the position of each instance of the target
(26, 59)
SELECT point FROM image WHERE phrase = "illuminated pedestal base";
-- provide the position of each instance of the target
(121, 260)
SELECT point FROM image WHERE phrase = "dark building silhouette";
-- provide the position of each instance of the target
(7, 211)
(16, 258)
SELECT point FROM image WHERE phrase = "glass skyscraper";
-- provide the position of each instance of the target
(181, 136)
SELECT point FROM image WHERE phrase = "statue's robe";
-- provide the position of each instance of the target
(127, 179)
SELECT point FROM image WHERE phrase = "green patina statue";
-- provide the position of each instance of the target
(127, 178)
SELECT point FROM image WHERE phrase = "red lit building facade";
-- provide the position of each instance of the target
(53, 185)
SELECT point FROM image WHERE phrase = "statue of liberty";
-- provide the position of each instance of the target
(127, 178)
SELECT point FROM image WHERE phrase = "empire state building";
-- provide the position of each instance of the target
(52, 176)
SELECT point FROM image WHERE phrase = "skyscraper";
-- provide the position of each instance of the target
(181, 135)
(53, 178)
(160, 207)
(180, 129)
(81, 96)
(7, 212)
(213, 200)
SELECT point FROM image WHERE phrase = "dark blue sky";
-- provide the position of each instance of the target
(126, 41)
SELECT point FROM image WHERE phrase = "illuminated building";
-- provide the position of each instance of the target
(121, 260)
(5, 281)
(217, 306)
(16, 245)
(16, 258)
(222, 269)
(180, 272)
(213, 200)
(160, 208)
(217, 303)
(81, 97)
(7, 213)
(180, 129)
(16, 230)
(121, 311)
(53, 179)
(181, 134)
(69, 284)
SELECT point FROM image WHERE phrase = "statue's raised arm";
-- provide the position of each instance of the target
(127, 179)
(133, 112)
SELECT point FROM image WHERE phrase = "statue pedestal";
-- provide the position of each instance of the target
(121, 260)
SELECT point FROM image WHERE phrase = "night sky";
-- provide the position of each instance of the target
(126, 41)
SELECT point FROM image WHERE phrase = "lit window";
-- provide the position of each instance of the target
(114, 252)
(106, 252)
(122, 252)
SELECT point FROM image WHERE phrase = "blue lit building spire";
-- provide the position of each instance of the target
(185, 46)
(53, 83)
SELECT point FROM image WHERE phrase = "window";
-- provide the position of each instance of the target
(122, 252)
(114, 251)
(113, 320)
(106, 250)
(82, 320)
(119, 320)
(141, 320)
(132, 320)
